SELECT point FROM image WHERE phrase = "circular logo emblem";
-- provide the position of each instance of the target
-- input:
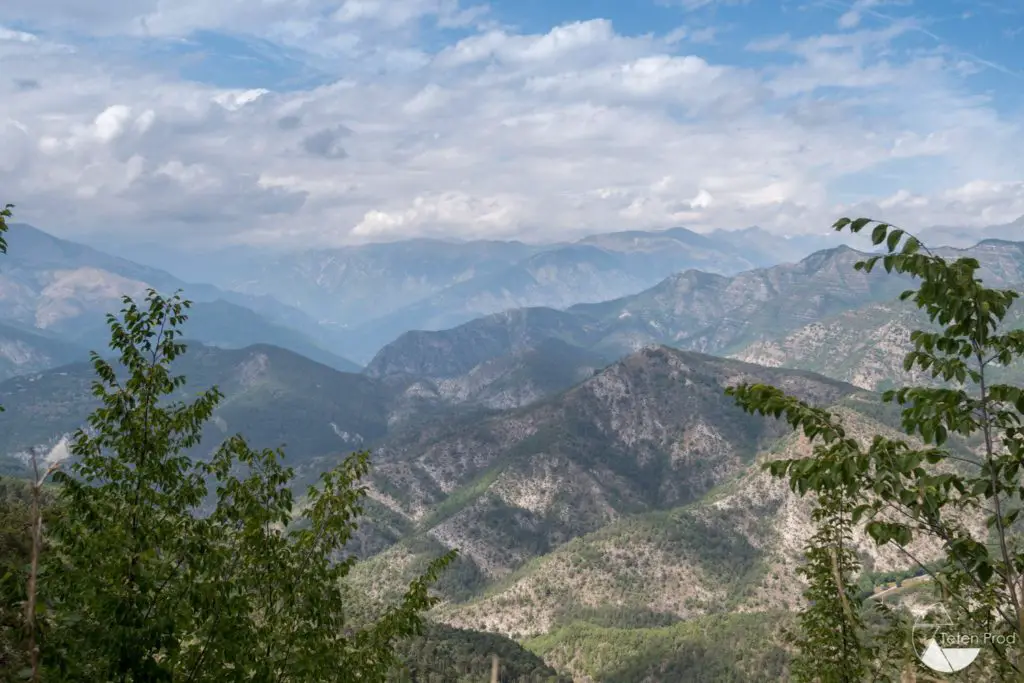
(941, 644)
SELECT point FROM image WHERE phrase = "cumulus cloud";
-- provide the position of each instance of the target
(484, 130)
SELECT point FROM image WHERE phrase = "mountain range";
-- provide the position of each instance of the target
(349, 302)
(608, 499)
(369, 294)
(755, 315)
(964, 237)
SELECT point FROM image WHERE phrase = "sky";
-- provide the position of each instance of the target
(327, 122)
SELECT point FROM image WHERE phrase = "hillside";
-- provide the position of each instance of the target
(517, 379)
(873, 340)
(462, 656)
(711, 313)
(24, 351)
(273, 396)
(735, 549)
(632, 508)
(650, 433)
(454, 352)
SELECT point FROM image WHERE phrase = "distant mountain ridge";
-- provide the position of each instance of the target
(693, 310)
(274, 396)
(278, 397)
(367, 295)
(949, 236)
(63, 290)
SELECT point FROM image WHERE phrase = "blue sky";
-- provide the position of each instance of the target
(329, 121)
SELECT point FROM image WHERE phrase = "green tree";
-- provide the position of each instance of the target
(968, 471)
(17, 549)
(829, 646)
(15, 554)
(5, 213)
(152, 574)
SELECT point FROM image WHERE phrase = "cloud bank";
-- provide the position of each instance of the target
(325, 122)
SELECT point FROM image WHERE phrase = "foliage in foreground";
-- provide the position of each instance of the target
(136, 585)
(5, 213)
(899, 493)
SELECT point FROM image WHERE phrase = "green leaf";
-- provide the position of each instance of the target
(893, 239)
(878, 234)
(859, 224)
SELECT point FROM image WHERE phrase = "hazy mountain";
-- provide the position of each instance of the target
(31, 248)
(694, 310)
(65, 290)
(763, 249)
(524, 376)
(349, 285)
(595, 269)
(195, 263)
(375, 292)
(667, 251)
(964, 237)
(366, 296)
(24, 350)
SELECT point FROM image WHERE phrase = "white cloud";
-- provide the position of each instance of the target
(7, 34)
(453, 214)
(109, 124)
(985, 202)
(556, 44)
(702, 201)
(499, 133)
